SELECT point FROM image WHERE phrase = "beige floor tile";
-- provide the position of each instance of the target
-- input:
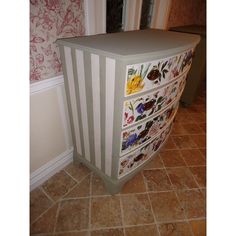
(181, 178)
(77, 171)
(157, 180)
(172, 158)
(73, 215)
(98, 186)
(199, 173)
(105, 212)
(82, 233)
(146, 230)
(108, 232)
(193, 157)
(184, 141)
(175, 229)
(203, 152)
(46, 222)
(80, 190)
(39, 203)
(136, 209)
(199, 140)
(155, 163)
(169, 144)
(192, 128)
(58, 185)
(193, 203)
(198, 227)
(166, 207)
(178, 129)
(135, 185)
(199, 117)
(183, 118)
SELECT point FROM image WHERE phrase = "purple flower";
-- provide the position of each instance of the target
(140, 108)
(132, 139)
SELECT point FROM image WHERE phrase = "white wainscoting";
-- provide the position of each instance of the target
(51, 145)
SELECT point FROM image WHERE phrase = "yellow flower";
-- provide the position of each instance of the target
(134, 84)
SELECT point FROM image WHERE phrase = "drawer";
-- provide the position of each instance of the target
(138, 135)
(148, 75)
(131, 161)
(137, 109)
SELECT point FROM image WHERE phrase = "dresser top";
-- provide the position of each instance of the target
(132, 43)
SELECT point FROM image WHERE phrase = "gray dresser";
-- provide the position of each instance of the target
(123, 91)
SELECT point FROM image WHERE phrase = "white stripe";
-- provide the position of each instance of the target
(110, 84)
(96, 108)
(71, 84)
(83, 103)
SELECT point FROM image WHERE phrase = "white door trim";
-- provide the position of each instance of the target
(95, 16)
(132, 14)
(160, 15)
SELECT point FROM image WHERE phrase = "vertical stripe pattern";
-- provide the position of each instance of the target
(110, 85)
(83, 104)
(96, 108)
(70, 76)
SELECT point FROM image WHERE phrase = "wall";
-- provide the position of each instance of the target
(187, 12)
(49, 20)
(50, 137)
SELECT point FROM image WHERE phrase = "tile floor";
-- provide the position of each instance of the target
(168, 198)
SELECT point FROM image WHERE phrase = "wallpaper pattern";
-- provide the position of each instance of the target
(187, 12)
(49, 20)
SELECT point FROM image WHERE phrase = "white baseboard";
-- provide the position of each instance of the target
(50, 168)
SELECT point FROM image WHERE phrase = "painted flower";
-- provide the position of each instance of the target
(134, 84)
(175, 72)
(131, 140)
(126, 115)
(130, 119)
(140, 108)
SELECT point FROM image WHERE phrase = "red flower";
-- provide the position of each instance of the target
(130, 120)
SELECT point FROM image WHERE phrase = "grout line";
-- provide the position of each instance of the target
(47, 195)
(90, 204)
(147, 193)
(122, 215)
(77, 181)
(71, 189)
(185, 215)
(31, 223)
(57, 213)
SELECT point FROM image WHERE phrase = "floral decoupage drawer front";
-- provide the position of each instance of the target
(131, 161)
(145, 76)
(137, 109)
(139, 134)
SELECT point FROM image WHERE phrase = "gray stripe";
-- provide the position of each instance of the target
(102, 60)
(89, 99)
(78, 100)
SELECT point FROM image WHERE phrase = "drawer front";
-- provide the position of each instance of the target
(148, 75)
(139, 108)
(140, 134)
(131, 161)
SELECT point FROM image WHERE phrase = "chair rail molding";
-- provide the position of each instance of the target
(43, 85)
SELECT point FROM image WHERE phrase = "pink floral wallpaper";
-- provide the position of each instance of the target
(187, 12)
(50, 20)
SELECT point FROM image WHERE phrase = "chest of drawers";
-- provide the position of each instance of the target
(123, 91)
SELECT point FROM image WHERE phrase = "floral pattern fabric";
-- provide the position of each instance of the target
(138, 135)
(50, 20)
(137, 109)
(131, 161)
(145, 76)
